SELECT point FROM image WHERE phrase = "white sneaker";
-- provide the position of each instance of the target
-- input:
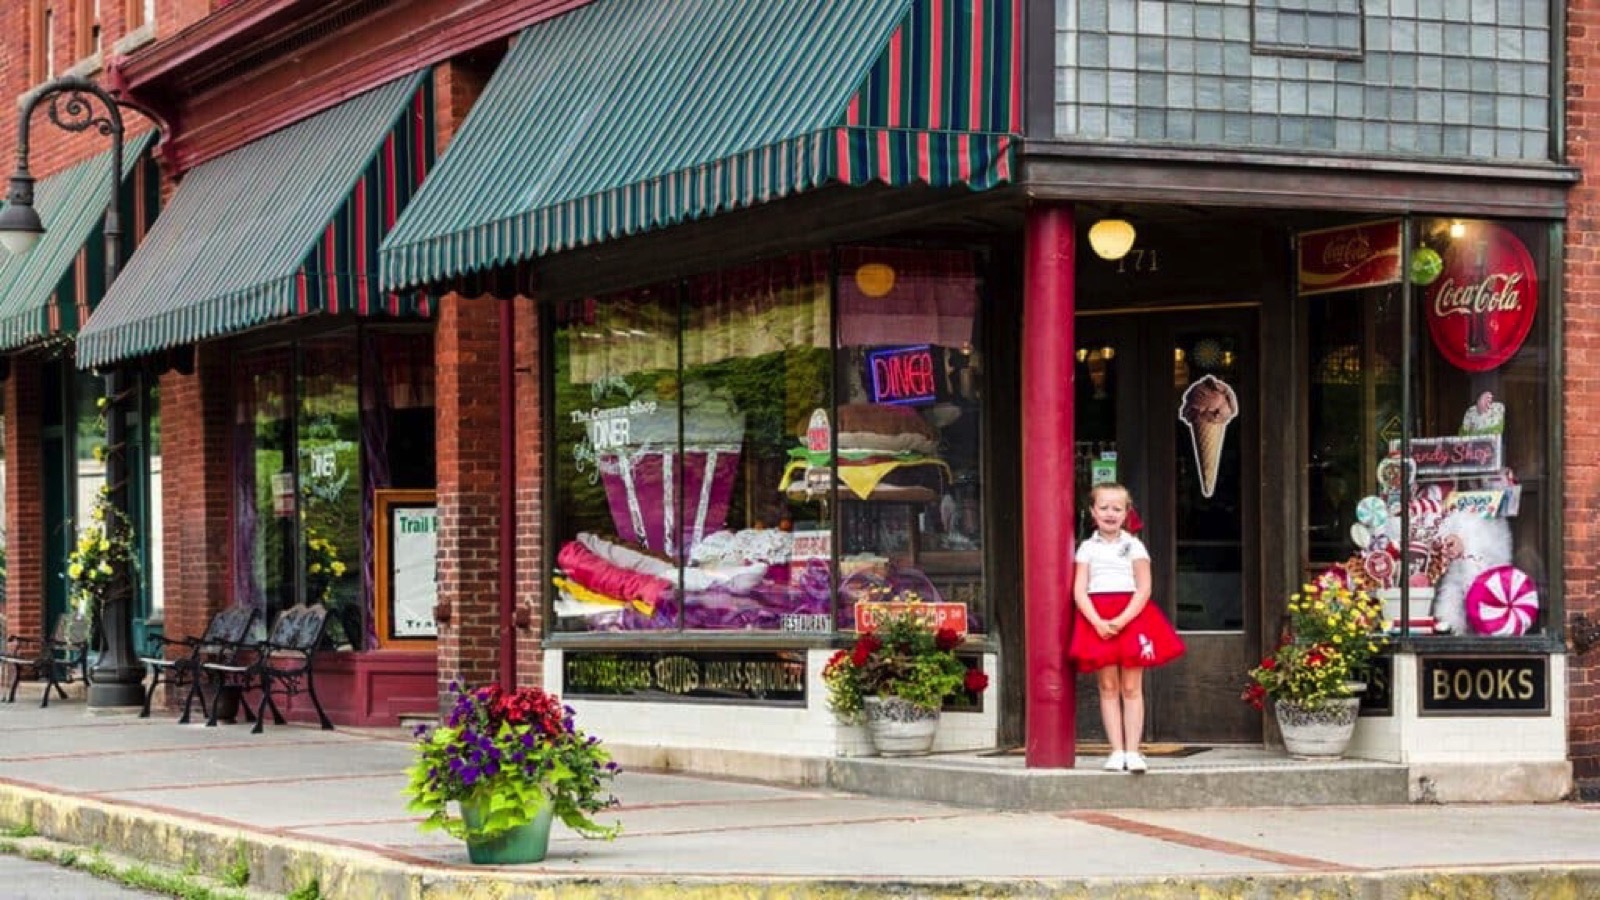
(1135, 762)
(1116, 762)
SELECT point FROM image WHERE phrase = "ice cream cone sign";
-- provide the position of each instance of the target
(1207, 407)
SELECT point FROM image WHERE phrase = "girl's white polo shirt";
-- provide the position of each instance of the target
(1110, 562)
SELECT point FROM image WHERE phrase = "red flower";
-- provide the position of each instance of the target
(867, 645)
(1269, 663)
(1255, 695)
(836, 660)
(975, 682)
(947, 639)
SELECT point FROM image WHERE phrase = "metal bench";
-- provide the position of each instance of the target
(225, 634)
(62, 658)
(282, 664)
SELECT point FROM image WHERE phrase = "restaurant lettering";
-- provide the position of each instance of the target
(1484, 685)
(768, 677)
(903, 375)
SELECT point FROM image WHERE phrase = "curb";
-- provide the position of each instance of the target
(283, 864)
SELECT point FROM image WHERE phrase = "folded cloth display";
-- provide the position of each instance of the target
(642, 477)
(583, 567)
(734, 577)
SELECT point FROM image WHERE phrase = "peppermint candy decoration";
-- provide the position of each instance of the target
(1502, 602)
(1372, 512)
(1379, 566)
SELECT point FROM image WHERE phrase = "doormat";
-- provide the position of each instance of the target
(1164, 751)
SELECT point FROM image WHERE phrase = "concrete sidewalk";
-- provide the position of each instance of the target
(327, 806)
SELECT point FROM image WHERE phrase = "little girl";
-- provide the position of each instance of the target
(1117, 630)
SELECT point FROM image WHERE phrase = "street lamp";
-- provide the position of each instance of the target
(117, 679)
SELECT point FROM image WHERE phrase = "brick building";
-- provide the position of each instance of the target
(741, 231)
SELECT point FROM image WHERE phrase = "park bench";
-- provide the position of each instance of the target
(225, 634)
(62, 658)
(283, 663)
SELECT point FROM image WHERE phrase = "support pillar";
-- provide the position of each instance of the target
(24, 487)
(1048, 306)
(467, 414)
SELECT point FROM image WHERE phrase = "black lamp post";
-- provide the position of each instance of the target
(117, 679)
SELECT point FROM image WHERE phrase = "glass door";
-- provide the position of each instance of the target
(1167, 404)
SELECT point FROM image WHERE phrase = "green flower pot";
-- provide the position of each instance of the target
(524, 844)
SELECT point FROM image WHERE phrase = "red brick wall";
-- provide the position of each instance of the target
(195, 494)
(24, 515)
(1581, 429)
(466, 354)
(53, 149)
(530, 496)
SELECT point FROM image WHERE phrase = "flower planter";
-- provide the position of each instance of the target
(899, 728)
(1320, 733)
(523, 844)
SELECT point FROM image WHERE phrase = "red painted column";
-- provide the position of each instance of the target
(1048, 306)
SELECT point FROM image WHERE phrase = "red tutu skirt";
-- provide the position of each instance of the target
(1145, 642)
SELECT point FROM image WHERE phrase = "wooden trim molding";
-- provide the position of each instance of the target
(1059, 171)
(257, 66)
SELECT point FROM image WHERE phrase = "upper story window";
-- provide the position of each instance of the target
(138, 13)
(1322, 28)
(41, 42)
(86, 28)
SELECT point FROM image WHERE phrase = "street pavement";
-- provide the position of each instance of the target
(328, 805)
(21, 879)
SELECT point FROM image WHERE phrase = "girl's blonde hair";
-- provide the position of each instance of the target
(1094, 492)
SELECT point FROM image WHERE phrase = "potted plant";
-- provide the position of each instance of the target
(512, 761)
(896, 678)
(1312, 678)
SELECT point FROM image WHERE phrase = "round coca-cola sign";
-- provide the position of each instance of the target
(1481, 306)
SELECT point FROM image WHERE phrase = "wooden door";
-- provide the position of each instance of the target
(1197, 490)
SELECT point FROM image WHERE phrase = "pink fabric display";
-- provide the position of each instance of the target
(640, 488)
(1502, 602)
(583, 566)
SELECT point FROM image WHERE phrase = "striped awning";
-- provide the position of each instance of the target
(287, 226)
(620, 117)
(49, 291)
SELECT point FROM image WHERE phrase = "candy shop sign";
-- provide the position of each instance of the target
(936, 615)
(1473, 455)
(608, 428)
(1481, 307)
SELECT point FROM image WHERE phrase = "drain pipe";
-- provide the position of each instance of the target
(508, 494)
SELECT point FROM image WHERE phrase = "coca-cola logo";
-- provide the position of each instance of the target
(1482, 306)
(1345, 252)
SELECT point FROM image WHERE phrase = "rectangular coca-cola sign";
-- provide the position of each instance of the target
(1348, 257)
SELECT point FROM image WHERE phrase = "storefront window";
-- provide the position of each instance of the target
(328, 450)
(725, 459)
(264, 482)
(1429, 432)
(318, 427)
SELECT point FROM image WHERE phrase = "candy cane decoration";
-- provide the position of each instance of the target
(1502, 602)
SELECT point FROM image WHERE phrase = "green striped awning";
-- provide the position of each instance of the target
(49, 291)
(284, 227)
(621, 117)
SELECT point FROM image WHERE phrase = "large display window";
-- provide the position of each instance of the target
(318, 426)
(1431, 428)
(758, 448)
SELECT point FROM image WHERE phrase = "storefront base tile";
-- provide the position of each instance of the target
(1534, 782)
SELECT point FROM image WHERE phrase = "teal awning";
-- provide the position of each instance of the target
(622, 117)
(283, 227)
(49, 291)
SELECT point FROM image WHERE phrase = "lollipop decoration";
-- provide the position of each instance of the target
(1502, 602)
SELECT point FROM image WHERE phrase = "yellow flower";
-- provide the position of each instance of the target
(316, 568)
(105, 568)
(338, 569)
(75, 571)
(105, 545)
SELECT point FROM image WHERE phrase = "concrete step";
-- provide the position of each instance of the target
(1222, 777)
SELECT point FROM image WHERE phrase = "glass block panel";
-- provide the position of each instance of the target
(1331, 28)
